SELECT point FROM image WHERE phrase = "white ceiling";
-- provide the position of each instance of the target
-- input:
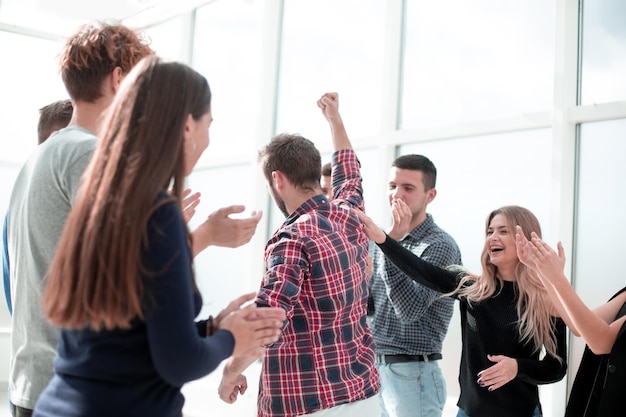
(61, 17)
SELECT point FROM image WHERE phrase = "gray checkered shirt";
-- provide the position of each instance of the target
(408, 317)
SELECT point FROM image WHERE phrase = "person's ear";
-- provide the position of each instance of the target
(278, 179)
(430, 195)
(188, 141)
(116, 79)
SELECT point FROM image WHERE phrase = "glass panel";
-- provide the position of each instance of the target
(227, 50)
(330, 45)
(600, 222)
(222, 274)
(484, 173)
(603, 51)
(29, 83)
(466, 61)
(168, 37)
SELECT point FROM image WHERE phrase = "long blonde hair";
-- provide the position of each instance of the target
(535, 324)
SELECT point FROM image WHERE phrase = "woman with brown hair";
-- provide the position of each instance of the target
(121, 286)
(506, 318)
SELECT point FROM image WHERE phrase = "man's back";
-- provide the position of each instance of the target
(316, 265)
(40, 202)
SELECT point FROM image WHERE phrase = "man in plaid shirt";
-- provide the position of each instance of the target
(316, 270)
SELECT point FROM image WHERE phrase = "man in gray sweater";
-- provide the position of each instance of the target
(93, 63)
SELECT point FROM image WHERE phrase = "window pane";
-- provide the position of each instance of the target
(330, 45)
(484, 173)
(29, 83)
(467, 60)
(222, 274)
(227, 50)
(604, 51)
(601, 223)
(168, 37)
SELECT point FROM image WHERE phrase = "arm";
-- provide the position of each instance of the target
(548, 369)
(533, 371)
(411, 299)
(6, 278)
(419, 270)
(599, 327)
(345, 170)
(329, 103)
(179, 354)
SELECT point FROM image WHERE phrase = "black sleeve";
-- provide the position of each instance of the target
(549, 369)
(420, 271)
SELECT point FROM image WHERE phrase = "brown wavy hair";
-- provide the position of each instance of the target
(296, 157)
(94, 51)
(97, 278)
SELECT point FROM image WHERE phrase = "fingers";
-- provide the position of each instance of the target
(275, 313)
(498, 375)
(242, 299)
(561, 251)
(235, 208)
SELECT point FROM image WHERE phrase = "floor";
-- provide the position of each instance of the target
(4, 401)
(201, 399)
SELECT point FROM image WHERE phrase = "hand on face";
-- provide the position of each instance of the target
(402, 216)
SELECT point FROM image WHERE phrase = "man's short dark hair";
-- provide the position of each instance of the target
(418, 163)
(326, 170)
(296, 157)
(53, 117)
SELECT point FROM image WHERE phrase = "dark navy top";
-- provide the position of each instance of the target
(139, 371)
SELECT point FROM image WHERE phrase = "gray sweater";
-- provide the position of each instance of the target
(39, 205)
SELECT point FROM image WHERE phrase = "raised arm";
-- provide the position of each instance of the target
(599, 327)
(329, 104)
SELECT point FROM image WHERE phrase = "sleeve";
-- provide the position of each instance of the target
(403, 292)
(178, 351)
(287, 267)
(6, 278)
(548, 369)
(422, 272)
(346, 179)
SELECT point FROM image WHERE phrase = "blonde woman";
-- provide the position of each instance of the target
(506, 318)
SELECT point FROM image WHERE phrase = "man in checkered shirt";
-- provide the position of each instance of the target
(316, 270)
(408, 320)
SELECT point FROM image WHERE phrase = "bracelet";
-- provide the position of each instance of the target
(210, 326)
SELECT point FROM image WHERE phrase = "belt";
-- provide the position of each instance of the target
(407, 358)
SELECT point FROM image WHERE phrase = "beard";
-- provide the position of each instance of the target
(280, 203)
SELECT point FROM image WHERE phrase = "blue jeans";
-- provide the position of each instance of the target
(411, 389)
(461, 413)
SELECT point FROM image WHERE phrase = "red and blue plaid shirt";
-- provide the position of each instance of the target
(316, 271)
